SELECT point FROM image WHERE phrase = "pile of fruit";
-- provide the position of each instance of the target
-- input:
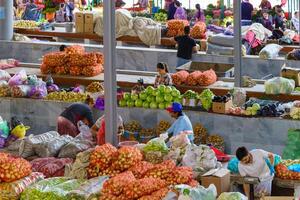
(295, 110)
(217, 142)
(106, 160)
(95, 87)
(133, 126)
(204, 78)
(67, 96)
(147, 132)
(198, 31)
(26, 24)
(161, 17)
(200, 134)
(145, 181)
(12, 169)
(222, 99)
(252, 110)
(161, 97)
(176, 27)
(74, 61)
(236, 111)
(162, 127)
(283, 172)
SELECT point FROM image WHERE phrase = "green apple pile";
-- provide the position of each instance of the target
(154, 98)
(160, 17)
(252, 110)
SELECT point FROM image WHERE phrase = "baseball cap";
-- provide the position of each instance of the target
(175, 107)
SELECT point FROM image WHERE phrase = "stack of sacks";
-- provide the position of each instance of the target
(220, 44)
(74, 61)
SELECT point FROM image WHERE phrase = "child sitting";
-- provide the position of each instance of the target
(163, 77)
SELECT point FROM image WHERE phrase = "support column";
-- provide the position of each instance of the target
(110, 85)
(237, 43)
(6, 19)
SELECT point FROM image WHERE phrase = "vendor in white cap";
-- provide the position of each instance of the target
(182, 123)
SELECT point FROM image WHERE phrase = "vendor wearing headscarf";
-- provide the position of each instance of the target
(182, 123)
(67, 122)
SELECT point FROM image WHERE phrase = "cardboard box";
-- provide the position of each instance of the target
(79, 17)
(79, 27)
(220, 178)
(88, 28)
(221, 107)
(90, 17)
(291, 73)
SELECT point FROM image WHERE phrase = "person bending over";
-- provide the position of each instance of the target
(256, 163)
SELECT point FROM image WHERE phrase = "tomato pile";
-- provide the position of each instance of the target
(12, 169)
(284, 173)
(74, 61)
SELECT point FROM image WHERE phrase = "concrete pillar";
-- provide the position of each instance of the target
(6, 19)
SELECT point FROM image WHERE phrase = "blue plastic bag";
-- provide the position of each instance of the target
(233, 165)
(4, 129)
(294, 167)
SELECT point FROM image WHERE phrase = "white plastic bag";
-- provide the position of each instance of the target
(85, 133)
(18, 79)
(270, 51)
(239, 97)
(197, 193)
(279, 85)
(4, 75)
(200, 158)
(232, 196)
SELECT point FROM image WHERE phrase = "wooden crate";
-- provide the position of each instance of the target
(221, 108)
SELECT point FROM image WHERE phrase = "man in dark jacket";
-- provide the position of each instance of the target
(172, 10)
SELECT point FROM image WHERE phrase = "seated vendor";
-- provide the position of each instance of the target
(68, 120)
(182, 122)
(293, 55)
(256, 164)
(163, 77)
(98, 129)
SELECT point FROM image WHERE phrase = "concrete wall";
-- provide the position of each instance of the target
(266, 133)
(143, 59)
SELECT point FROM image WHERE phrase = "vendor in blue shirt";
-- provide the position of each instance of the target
(182, 122)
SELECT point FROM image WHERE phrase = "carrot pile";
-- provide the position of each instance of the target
(176, 27)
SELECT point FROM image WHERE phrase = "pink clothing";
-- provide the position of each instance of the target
(180, 14)
(250, 37)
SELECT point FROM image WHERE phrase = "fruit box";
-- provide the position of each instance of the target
(291, 73)
(221, 108)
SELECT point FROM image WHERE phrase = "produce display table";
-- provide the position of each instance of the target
(90, 36)
(286, 183)
(128, 79)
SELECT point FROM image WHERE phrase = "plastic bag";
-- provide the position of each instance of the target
(71, 149)
(187, 192)
(4, 75)
(18, 79)
(200, 158)
(51, 148)
(12, 191)
(232, 196)
(279, 85)
(20, 90)
(38, 91)
(156, 144)
(50, 167)
(4, 89)
(26, 147)
(233, 165)
(89, 190)
(179, 141)
(85, 133)
(294, 167)
(52, 188)
(239, 97)
(270, 51)
(32, 80)
(4, 129)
